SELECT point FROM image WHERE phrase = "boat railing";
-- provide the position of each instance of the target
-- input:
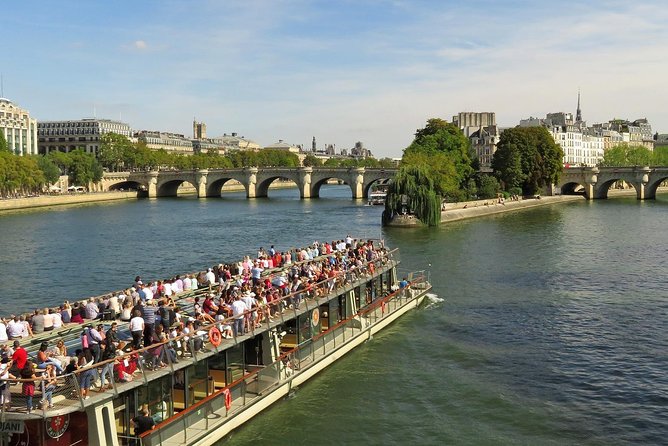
(138, 365)
(195, 421)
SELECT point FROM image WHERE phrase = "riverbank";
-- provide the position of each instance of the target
(47, 201)
(481, 208)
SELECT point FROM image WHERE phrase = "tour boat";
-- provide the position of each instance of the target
(217, 384)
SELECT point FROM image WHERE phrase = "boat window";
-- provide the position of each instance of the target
(217, 370)
(359, 303)
(156, 395)
(235, 363)
(197, 382)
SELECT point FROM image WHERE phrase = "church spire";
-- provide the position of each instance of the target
(578, 113)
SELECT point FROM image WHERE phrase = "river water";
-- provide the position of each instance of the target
(548, 326)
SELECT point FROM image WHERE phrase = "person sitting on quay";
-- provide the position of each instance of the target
(4, 337)
(37, 322)
(66, 312)
(56, 319)
(77, 314)
(14, 328)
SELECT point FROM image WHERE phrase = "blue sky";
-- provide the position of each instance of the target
(342, 71)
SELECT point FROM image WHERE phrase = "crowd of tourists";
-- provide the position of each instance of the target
(234, 297)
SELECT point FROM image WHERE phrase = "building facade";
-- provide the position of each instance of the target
(19, 129)
(65, 136)
(170, 142)
(483, 133)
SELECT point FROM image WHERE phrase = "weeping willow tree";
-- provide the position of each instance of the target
(412, 191)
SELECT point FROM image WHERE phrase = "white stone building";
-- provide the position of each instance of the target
(65, 136)
(483, 133)
(170, 142)
(20, 130)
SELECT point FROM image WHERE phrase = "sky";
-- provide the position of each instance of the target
(343, 71)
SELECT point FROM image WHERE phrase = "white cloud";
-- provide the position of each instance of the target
(140, 45)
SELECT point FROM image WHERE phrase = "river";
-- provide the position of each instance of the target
(549, 326)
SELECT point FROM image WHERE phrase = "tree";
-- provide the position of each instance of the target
(3, 143)
(84, 168)
(624, 155)
(660, 156)
(527, 157)
(412, 190)
(114, 149)
(311, 161)
(48, 167)
(445, 151)
(488, 186)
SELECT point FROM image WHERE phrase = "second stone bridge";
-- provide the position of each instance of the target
(255, 180)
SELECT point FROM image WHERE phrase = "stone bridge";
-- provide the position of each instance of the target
(255, 180)
(597, 181)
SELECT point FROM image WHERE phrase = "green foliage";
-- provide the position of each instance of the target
(488, 186)
(624, 155)
(660, 156)
(311, 161)
(49, 169)
(527, 157)
(114, 149)
(444, 151)
(19, 175)
(412, 190)
(84, 168)
(3, 143)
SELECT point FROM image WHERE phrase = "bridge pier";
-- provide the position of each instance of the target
(357, 185)
(251, 191)
(305, 182)
(201, 183)
(153, 184)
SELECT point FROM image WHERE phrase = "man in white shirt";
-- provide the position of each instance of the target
(3, 332)
(14, 328)
(238, 310)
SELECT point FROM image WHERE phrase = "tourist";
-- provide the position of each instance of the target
(149, 312)
(66, 312)
(3, 332)
(136, 329)
(77, 314)
(48, 320)
(27, 329)
(49, 384)
(92, 310)
(27, 374)
(56, 319)
(85, 360)
(14, 328)
(19, 357)
(238, 310)
(93, 339)
(126, 311)
(142, 423)
(44, 358)
(108, 355)
(37, 322)
(5, 389)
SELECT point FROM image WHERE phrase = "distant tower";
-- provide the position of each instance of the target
(199, 130)
(313, 145)
(578, 113)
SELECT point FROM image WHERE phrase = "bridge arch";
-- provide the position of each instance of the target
(573, 188)
(262, 187)
(653, 185)
(317, 184)
(169, 188)
(602, 188)
(214, 187)
(377, 182)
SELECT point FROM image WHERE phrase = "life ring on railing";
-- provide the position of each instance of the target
(228, 398)
(215, 337)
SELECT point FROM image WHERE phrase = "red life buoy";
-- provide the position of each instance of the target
(215, 337)
(228, 398)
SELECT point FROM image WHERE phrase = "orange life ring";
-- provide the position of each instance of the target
(215, 337)
(228, 398)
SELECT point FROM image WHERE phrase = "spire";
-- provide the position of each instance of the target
(578, 113)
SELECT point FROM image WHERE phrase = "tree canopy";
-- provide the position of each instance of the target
(624, 155)
(412, 189)
(527, 158)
